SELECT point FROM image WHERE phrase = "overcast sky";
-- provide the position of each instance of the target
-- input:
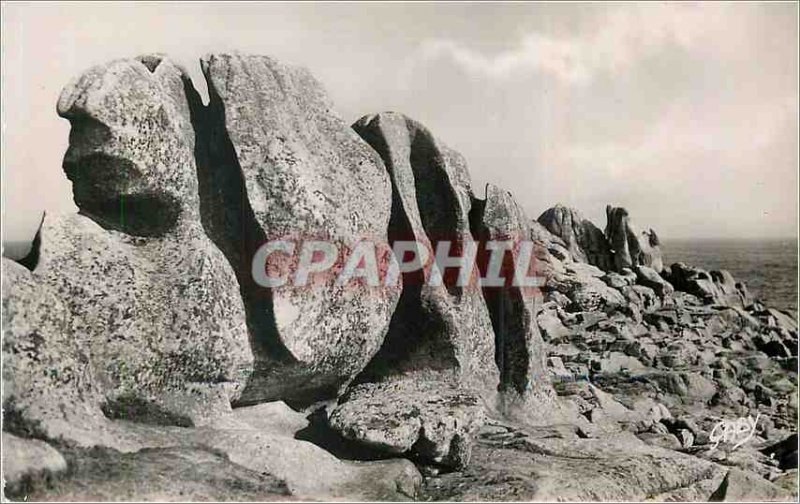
(685, 114)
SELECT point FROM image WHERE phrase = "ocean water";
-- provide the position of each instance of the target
(767, 267)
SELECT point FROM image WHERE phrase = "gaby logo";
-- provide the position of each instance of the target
(736, 432)
(300, 263)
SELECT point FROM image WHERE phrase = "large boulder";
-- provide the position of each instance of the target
(648, 277)
(26, 460)
(584, 240)
(153, 302)
(279, 163)
(586, 293)
(423, 420)
(630, 247)
(48, 388)
(440, 333)
(432, 203)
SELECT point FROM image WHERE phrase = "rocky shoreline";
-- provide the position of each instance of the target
(142, 362)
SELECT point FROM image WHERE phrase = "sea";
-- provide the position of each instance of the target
(768, 266)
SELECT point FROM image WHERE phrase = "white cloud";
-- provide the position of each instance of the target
(624, 35)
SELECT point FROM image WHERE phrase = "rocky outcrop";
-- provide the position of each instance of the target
(584, 241)
(649, 277)
(630, 247)
(439, 333)
(279, 163)
(715, 287)
(430, 422)
(152, 300)
(584, 290)
(48, 389)
(142, 360)
(519, 348)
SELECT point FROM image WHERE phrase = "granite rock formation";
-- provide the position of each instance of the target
(584, 241)
(439, 333)
(141, 360)
(714, 287)
(519, 348)
(137, 245)
(281, 163)
(630, 247)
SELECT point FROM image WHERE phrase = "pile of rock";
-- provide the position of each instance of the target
(136, 337)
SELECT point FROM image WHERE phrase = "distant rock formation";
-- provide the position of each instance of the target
(584, 241)
(715, 287)
(631, 248)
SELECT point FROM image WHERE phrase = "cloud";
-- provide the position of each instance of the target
(682, 131)
(625, 35)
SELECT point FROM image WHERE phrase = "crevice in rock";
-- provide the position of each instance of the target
(437, 201)
(416, 337)
(321, 434)
(31, 259)
(135, 409)
(415, 341)
(506, 310)
(230, 222)
(151, 61)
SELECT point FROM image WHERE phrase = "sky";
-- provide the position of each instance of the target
(686, 114)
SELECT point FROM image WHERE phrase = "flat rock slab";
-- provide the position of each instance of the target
(252, 448)
(510, 465)
(159, 474)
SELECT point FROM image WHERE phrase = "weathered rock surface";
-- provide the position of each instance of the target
(48, 389)
(431, 204)
(649, 277)
(255, 448)
(520, 351)
(139, 245)
(281, 164)
(158, 474)
(585, 292)
(715, 287)
(585, 242)
(510, 463)
(140, 328)
(630, 247)
(430, 423)
(439, 334)
(28, 460)
(741, 486)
